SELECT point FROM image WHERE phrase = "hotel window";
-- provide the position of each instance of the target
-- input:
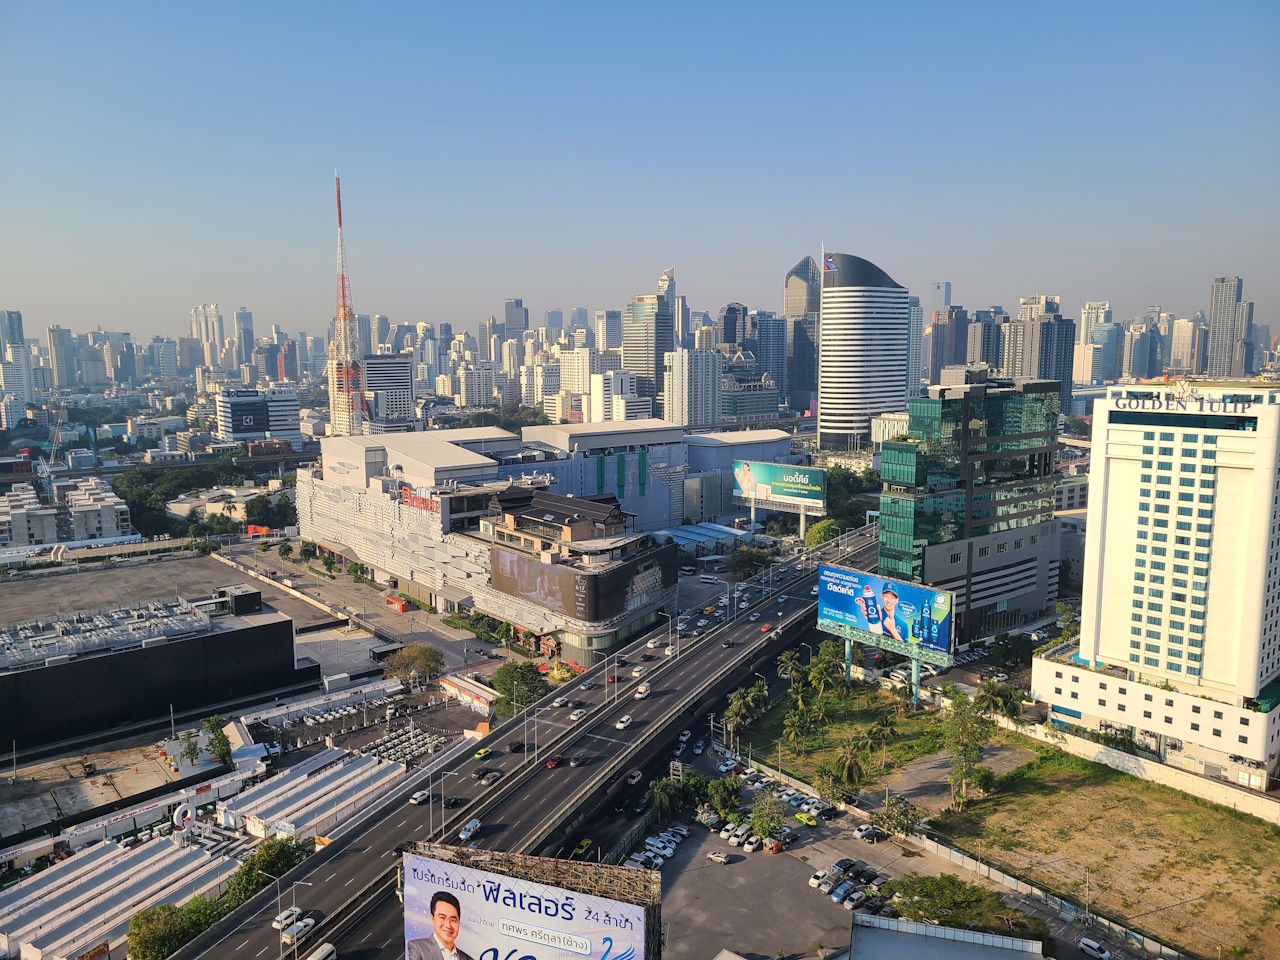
(1209, 455)
(1146, 714)
(1168, 719)
(1188, 452)
(1120, 706)
(1188, 468)
(1148, 435)
(1074, 695)
(1217, 714)
(1195, 727)
(1168, 702)
(1137, 632)
(1217, 733)
(1145, 478)
(1148, 450)
(1146, 697)
(1153, 648)
(1244, 721)
(1133, 658)
(1058, 691)
(1102, 703)
(1166, 438)
(1124, 690)
(1195, 709)
(1146, 464)
(1166, 451)
(1187, 482)
(1193, 671)
(1243, 739)
(1190, 438)
(1173, 667)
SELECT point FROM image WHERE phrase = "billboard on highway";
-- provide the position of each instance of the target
(493, 916)
(906, 617)
(780, 486)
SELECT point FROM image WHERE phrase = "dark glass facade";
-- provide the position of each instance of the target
(977, 460)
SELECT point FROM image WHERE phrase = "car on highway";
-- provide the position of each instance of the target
(581, 704)
(766, 627)
(481, 753)
(490, 778)
(479, 772)
(450, 802)
(516, 746)
(622, 661)
(718, 856)
(590, 685)
(654, 643)
(678, 752)
(806, 819)
(298, 932)
(634, 777)
(685, 735)
(577, 715)
(612, 678)
(582, 847)
(422, 796)
(578, 759)
(814, 591)
(560, 701)
(639, 672)
(287, 918)
(702, 622)
(727, 644)
(646, 657)
(698, 748)
(472, 829)
(623, 722)
(783, 599)
(555, 761)
(754, 617)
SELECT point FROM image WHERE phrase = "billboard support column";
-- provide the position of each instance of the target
(915, 681)
(803, 516)
(848, 660)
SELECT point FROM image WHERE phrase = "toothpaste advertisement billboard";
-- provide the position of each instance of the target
(885, 609)
(489, 916)
(780, 485)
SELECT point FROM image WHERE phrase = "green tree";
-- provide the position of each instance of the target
(795, 729)
(725, 795)
(884, 729)
(329, 564)
(898, 818)
(190, 748)
(156, 932)
(307, 552)
(520, 684)
(1067, 616)
(947, 900)
(745, 561)
(218, 745)
(426, 659)
(820, 533)
(664, 794)
(694, 787)
(257, 511)
(789, 665)
(997, 700)
(964, 733)
(847, 767)
(768, 816)
(819, 677)
(285, 550)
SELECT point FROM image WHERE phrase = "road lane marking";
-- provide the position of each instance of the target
(330, 876)
(263, 950)
(243, 945)
(349, 882)
(402, 823)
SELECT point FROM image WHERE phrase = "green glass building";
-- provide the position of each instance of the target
(967, 503)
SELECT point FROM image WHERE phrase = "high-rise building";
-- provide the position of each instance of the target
(1227, 324)
(1094, 311)
(771, 348)
(647, 336)
(1039, 306)
(960, 512)
(863, 352)
(62, 357)
(802, 290)
(915, 340)
(11, 331)
(1086, 368)
(553, 320)
(985, 341)
(515, 319)
(802, 363)
(948, 341)
(1187, 347)
(243, 321)
(1139, 353)
(388, 390)
(608, 324)
(733, 323)
(206, 324)
(693, 379)
(1110, 337)
(667, 284)
(941, 297)
(1179, 649)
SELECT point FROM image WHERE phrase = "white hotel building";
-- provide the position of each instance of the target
(1180, 620)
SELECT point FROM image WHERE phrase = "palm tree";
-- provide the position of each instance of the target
(789, 665)
(799, 692)
(998, 699)
(662, 794)
(867, 739)
(848, 762)
(793, 728)
(758, 698)
(884, 729)
(818, 715)
(903, 697)
(819, 678)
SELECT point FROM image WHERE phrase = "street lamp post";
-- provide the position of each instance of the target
(810, 649)
(279, 909)
(431, 803)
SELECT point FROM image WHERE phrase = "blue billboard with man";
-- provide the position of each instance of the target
(907, 618)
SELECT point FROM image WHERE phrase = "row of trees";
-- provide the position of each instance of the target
(157, 932)
(216, 743)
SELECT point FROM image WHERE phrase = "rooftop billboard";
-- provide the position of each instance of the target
(574, 592)
(780, 486)
(906, 617)
(491, 916)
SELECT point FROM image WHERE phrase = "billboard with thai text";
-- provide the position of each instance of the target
(889, 613)
(489, 916)
(780, 486)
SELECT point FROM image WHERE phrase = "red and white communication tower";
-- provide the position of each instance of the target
(346, 390)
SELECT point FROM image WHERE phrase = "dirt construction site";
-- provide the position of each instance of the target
(1195, 875)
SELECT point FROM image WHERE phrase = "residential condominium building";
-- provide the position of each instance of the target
(694, 387)
(1179, 648)
(967, 503)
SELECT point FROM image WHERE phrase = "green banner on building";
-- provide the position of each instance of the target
(780, 486)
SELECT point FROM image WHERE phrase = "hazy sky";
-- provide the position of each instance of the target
(153, 157)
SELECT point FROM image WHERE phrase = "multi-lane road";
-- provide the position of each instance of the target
(333, 875)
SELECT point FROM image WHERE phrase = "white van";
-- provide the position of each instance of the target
(639, 672)
(707, 578)
(326, 951)
(470, 830)
(642, 691)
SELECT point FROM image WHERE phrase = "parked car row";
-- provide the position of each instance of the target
(854, 884)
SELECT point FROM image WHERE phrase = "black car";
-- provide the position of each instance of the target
(622, 661)
(479, 772)
(451, 802)
(581, 704)
(840, 866)
(829, 813)
(867, 875)
(727, 644)
(403, 846)
(646, 657)
(578, 759)
(641, 806)
(516, 746)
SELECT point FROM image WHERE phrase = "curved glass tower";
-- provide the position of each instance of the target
(863, 350)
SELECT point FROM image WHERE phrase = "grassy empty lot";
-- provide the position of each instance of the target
(1192, 873)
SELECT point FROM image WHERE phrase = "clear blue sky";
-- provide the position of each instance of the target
(158, 156)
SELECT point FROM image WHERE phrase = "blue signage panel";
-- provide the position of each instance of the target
(890, 612)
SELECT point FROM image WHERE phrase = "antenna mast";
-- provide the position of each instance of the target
(346, 396)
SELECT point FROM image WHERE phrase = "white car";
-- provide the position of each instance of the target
(634, 777)
(469, 831)
(726, 766)
(623, 722)
(1092, 948)
(863, 831)
(559, 701)
(678, 830)
(814, 591)
(685, 735)
(672, 838)
(727, 831)
(298, 932)
(422, 796)
(754, 617)
(753, 844)
(817, 878)
(577, 715)
(287, 919)
(654, 644)
(660, 848)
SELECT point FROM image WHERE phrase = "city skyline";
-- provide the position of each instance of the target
(120, 223)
